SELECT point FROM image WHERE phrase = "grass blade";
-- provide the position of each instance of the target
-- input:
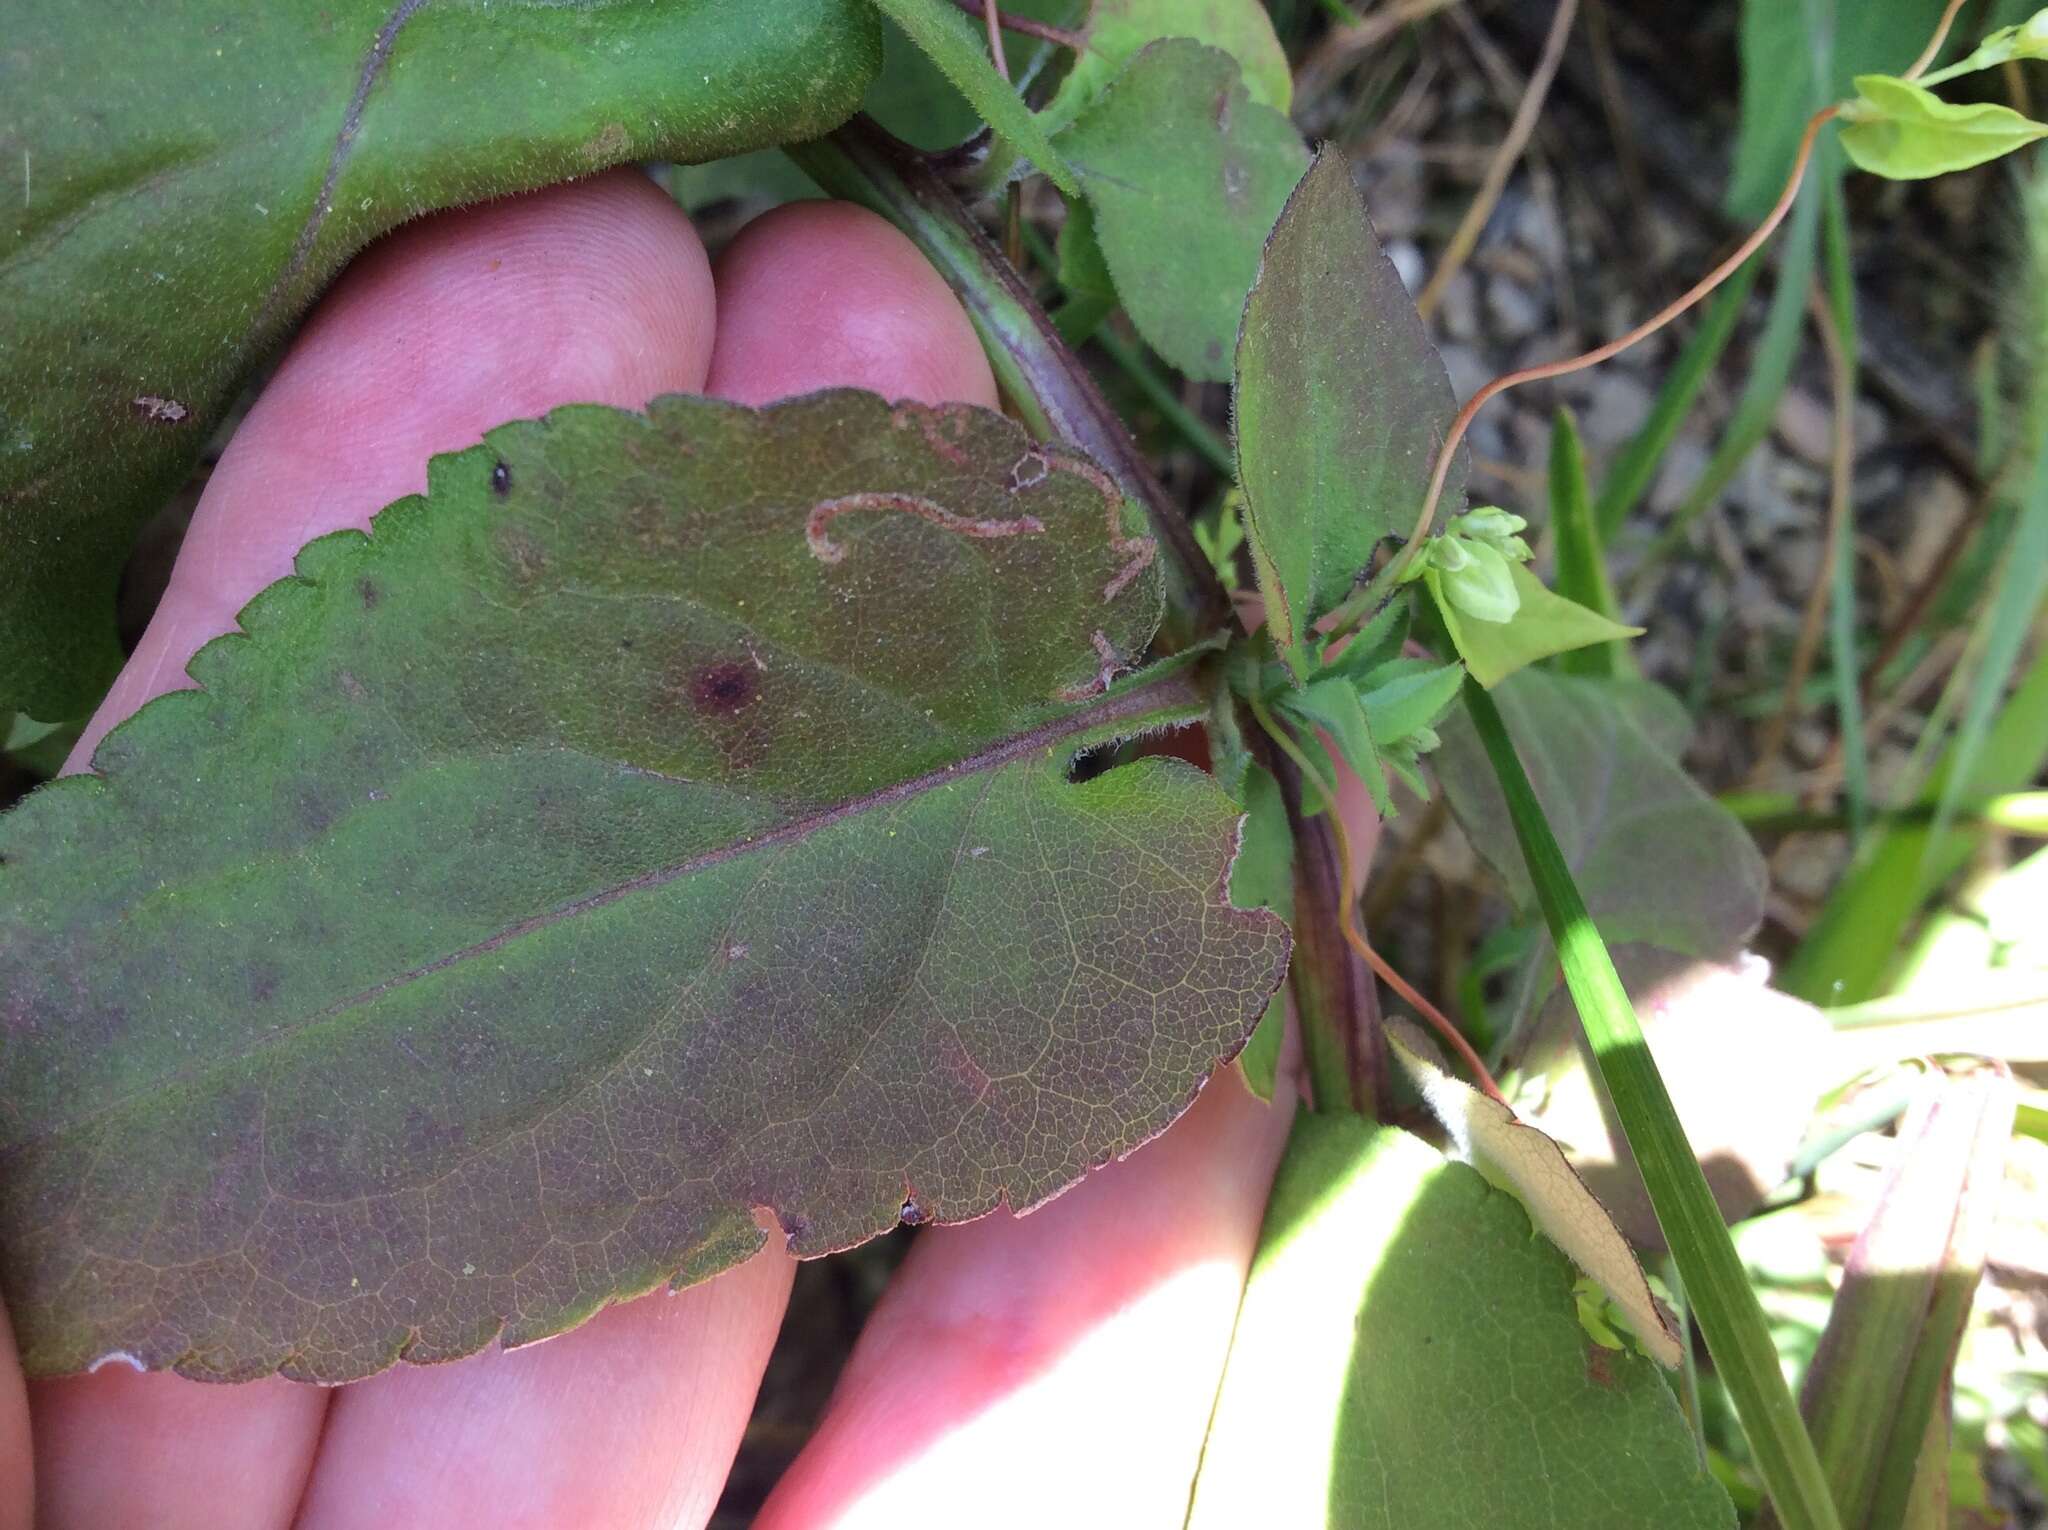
(1841, 573)
(1850, 948)
(1581, 559)
(1876, 1381)
(1772, 368)
(1629, 476)
(1716, 1286)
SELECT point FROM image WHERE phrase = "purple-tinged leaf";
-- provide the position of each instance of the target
(667, 817)
(1341, 404)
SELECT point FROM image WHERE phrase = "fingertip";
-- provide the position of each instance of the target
(598, 291)
(825, 294)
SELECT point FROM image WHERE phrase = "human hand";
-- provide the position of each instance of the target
(1020, 1370)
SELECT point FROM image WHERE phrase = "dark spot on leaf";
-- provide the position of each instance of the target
(1598, 1370)
(369, 593)
(263, 981)
(1213, 350)
(501, 479)
(912, 1214)
(724, 688)
(794, 1226)
(625, 645)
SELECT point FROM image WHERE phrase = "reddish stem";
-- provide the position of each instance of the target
(1706, 284)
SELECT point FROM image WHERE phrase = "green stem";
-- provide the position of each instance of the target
(1044, 382)
(1722, 1301)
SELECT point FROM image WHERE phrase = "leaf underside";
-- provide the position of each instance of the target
(190, 177)
(668, 816)
(1658, 861)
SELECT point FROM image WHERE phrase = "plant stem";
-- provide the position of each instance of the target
(1447, 453)
(1130, 360)
(1023, 26)
(994, 21)
(1332, 1040)
(1044, 382)
(1725, 1306)
(1347, 907)
(1933, 48)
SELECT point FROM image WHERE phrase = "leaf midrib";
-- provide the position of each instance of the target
(1122, 706)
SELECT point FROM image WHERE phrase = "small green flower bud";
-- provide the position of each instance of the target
(1481, 586)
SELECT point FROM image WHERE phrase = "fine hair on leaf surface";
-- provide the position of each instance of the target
(660, 819)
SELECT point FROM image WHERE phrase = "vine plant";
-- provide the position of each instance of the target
(733, 853)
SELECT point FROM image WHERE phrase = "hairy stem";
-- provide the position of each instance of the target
(1044, 381)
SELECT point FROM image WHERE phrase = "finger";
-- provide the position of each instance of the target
(632, 1420)
(17, 1464)
(1057, 1367)
(597, 291)
(824, 295)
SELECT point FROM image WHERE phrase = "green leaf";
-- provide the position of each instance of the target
(1581, 560)
(1658, 860)
(2000, 638)
(1118, 30)
(1083, 270)
(1398, 1304)
(916, 102)
(1851, 947)
(1410, 696)
(1717, 1289)
(1375, 645)
(1186, 174)
(189, 182)
(1263, 877)
(1744, 1063)
(39, 748)
(1523, 1160)
(1332, 704)
(1543, 624)
(664, 818)
(1798, 56)
(959, 49)
(1906, 132)
(1341, 401)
